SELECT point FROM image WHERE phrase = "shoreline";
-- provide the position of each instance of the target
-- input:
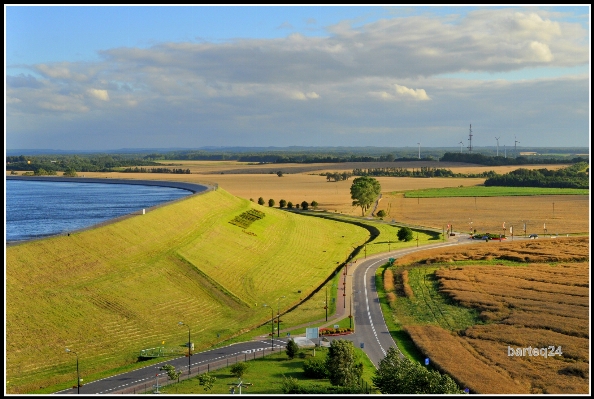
(195, 189)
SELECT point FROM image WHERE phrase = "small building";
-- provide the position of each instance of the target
(528, 153)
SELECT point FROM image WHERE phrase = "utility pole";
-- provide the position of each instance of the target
(497, 138)
(470, 140)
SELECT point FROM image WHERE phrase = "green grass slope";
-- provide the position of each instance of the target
(109, 292)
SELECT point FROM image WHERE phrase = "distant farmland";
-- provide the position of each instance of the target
(524, 294)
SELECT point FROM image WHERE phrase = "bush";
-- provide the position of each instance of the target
(282, 203)
(315, 368)
(271, 202)
(304, 205)
(289, 205)
(292, 349)
(261, 201)
(239, 369)
(405, 234)
(381, 214)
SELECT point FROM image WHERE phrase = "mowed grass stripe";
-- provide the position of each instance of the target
(120, 288)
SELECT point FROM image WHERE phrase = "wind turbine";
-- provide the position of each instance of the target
(497, 138)
(419, 150)
(515, 143)
(461, 147)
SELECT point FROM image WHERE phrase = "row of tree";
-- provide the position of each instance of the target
(481, 159)
(89, 163)
(156, 170)
(336, 176)
(418, 172)
(288, 204)
(575, 176)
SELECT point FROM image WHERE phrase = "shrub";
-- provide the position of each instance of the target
(315, 368)
(260, 201)
(304, 205)
(239, 369)
(289, 205)
(405, 234)
(291, 349)
(381, 214)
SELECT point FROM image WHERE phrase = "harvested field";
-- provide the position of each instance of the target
(562, 249)
(540, 305)
(302, 182)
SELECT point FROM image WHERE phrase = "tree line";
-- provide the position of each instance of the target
(90, 163)
(156, 170)
(418, 172)
(502, 161)
(575, 176)
(287, 204)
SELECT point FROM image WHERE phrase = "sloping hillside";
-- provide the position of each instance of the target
(108, 292)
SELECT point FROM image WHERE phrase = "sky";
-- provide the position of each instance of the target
(98, 78)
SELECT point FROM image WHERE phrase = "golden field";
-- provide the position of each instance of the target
(540, 304)
(302, 182)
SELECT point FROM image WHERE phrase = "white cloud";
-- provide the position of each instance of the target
(99, 94)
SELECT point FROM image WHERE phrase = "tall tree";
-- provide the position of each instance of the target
(399, 375)
(364, 191)
(342, 365)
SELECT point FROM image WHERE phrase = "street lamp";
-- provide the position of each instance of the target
(189, 345)
(77, 373)
(272, 327)
(278, 316)
(326, 303)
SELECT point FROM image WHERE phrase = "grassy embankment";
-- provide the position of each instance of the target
(109, 292)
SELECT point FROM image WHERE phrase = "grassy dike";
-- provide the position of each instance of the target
(109, 292)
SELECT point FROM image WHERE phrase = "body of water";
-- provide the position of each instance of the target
(37, 209)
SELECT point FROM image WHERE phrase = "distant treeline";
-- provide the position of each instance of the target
(418, 172)
(157, 170)
(90, 163)
(575, 176)
(502, 161)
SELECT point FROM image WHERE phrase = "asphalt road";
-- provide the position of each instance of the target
(361, 299)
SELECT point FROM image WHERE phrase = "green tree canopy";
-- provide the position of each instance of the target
(271, 202)
(304, 205)
(291, 349)
(239, 369)
(404, 234)
(364, 191)
(399, 375)
(261, 201)
(282, 203)
(342, 365)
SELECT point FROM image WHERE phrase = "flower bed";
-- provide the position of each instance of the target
(335, 331)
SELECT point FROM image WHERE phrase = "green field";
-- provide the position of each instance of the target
(266, 375)
(109, 292)
(482, 191)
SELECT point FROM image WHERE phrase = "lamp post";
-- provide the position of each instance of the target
(272, 327)
(278, 316)
(326, 303)
(189, 346)
(77, 373)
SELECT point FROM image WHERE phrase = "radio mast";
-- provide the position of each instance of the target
(470, 139)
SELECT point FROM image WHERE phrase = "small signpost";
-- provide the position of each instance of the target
(239, 385)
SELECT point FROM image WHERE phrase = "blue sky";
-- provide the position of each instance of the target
(100, 78)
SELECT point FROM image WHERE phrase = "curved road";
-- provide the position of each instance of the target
(371, 334)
